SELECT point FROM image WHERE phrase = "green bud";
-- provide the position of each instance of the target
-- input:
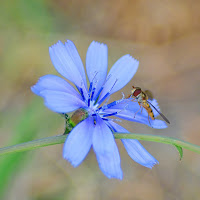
(78, 116)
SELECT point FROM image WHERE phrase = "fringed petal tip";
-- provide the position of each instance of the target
(74, 164)
(108, 166)
(59, 43)
(35, 90)
(136, 62)
(98, 43)
(151, 164)
(118, 175)
(38, 87)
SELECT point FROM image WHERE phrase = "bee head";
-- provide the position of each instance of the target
(136, 91)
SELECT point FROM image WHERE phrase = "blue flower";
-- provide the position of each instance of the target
(97, 129)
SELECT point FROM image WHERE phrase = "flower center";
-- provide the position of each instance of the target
(93, 103)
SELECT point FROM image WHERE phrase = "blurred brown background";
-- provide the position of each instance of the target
(163, 35)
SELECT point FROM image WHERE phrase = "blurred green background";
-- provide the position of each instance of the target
(163, 35)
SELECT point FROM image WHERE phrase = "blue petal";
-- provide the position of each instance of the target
(52, 82)
(131, 111)
(97, 64)
(134, 149)
(61, 102)
(72, 51)
(156, 123)
(66, 63)
(106, 150)
(120, 74)
(79, 142)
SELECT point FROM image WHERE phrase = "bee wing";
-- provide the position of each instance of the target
(163, 116)
(149, 94)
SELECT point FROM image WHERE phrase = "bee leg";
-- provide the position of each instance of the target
(141, 110)
(133, 98)
(137, 110)
(149, 121)
(129, 96)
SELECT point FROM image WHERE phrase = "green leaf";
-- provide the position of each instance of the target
(180, 150)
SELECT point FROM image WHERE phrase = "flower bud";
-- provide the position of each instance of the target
(78, 116)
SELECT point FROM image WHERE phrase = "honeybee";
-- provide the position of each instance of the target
(142, 98)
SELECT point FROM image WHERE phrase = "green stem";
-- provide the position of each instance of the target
(61, 138)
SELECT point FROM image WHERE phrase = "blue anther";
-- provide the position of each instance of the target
(111, 114)
(103, 99)
(97, 95)
(90, 88)
(81, 92)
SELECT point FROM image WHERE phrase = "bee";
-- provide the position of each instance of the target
(142, 98)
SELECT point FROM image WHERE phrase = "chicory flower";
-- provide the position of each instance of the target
(96, 130)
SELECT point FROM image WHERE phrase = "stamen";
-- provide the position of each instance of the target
(81, 92)
(108, 119)
(108, 124)
(99, 92)
(109, 105)
(117, 120)
(103, 99)
(105, 104)
(114, 103)
(93, 91)
(95, 75)
(111, 114)
(89, 101)
(108, 77)
(105, 119)
(90, 88)
(114, 113)
(91, 84)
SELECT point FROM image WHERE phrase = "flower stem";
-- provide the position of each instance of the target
(61, 138)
